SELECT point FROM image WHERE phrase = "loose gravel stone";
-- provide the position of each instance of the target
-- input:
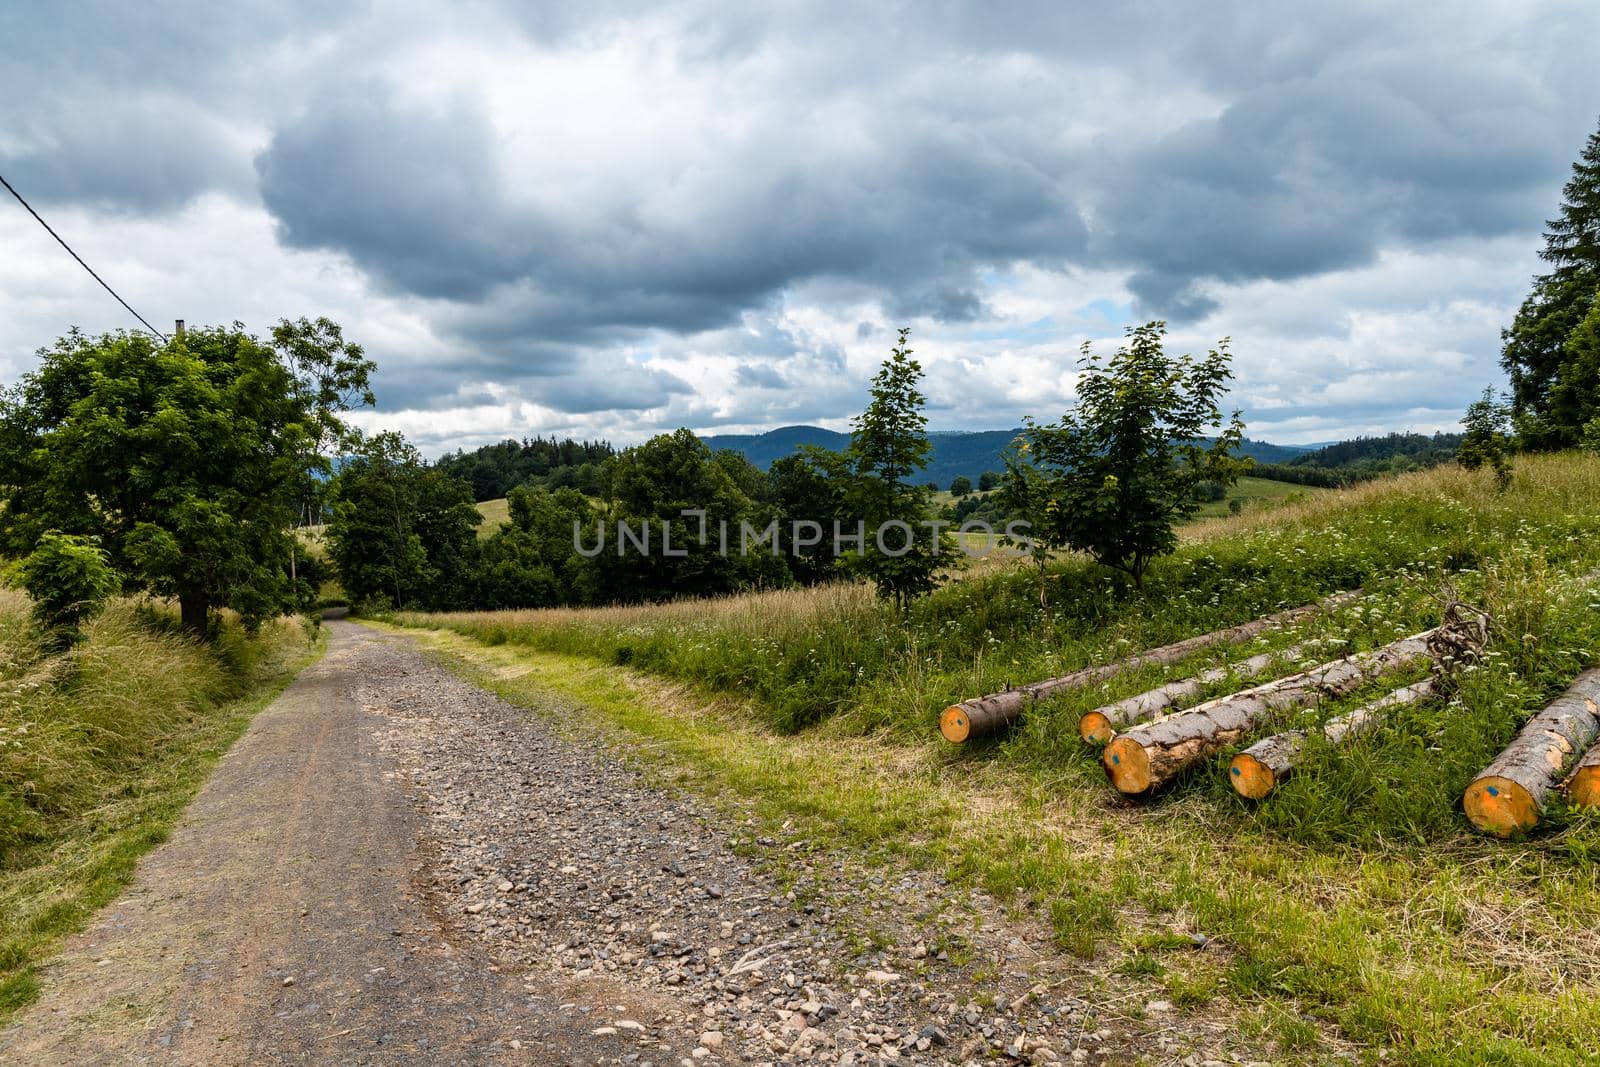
(562, 859)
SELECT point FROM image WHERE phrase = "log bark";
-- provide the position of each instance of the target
(1262, 767)
(1100, 725)
(1510, 793)
(984, 715)
(1155, 752)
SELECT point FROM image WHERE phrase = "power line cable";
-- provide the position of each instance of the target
(79, 258)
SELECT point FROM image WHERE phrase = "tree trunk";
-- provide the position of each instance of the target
(1149, 755)
(194, 610)
(1512, 790)
(1100, 725)
(984, 715)
(1262, 767)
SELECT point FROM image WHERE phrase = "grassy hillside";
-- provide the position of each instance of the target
(100, 750)
(494, 513)
(1354, 905)
(1254, 494)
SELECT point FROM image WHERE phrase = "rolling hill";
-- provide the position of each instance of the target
(954, 452)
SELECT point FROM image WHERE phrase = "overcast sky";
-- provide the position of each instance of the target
(628, 219)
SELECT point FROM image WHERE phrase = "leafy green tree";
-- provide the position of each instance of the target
(889, 444)
(687, 498)
(1487, 442)
(530, 561)
(1122, 469)
(989, 480)
(70, 580)
(1550, 391)
(809, 488)
(188, 459)
(401, 530)
(960, 485)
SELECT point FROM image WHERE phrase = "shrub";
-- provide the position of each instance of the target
(69, 579)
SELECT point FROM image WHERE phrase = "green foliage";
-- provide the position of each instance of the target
(888, 444)
(688, 499)
(988, 480)
(1487, 441)
(1117, 474)
(1553, 389)
(960, 485)
(530, 562)
(810, 487)
(190, 460)
(401, 531)
(494, 470)
(70, 580)
(1574, 396)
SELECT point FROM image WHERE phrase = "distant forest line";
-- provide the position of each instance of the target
(495, 469)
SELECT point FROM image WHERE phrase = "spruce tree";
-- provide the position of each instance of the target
(1545, 378)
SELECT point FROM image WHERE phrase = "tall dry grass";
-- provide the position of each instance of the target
(100, 748)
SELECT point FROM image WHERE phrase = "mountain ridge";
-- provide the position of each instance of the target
(955, 452)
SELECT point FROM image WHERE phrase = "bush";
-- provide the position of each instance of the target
(70, 581)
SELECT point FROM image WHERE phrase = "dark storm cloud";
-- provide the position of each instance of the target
(139, 108)
(411, 194)
(414, 196)
(140, 157)
(905, 155)
(1319, 175)
(622, 389)
(760, 377)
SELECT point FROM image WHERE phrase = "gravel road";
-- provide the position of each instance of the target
(393, 866)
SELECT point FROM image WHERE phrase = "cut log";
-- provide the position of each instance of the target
(984, 715)
(1100, 725)
(1511, 792)
(1262, 767)
(1583, 788)
(1150, 754)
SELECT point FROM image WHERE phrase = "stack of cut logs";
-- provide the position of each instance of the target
(1148, 742)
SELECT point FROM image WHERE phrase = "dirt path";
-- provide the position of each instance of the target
(394, 866)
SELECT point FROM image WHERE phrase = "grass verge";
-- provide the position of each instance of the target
(100, 751)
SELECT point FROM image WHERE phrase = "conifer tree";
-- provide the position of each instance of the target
(1547, 378)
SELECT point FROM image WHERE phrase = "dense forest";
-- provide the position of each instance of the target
(1363, 458)
(494, 470)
